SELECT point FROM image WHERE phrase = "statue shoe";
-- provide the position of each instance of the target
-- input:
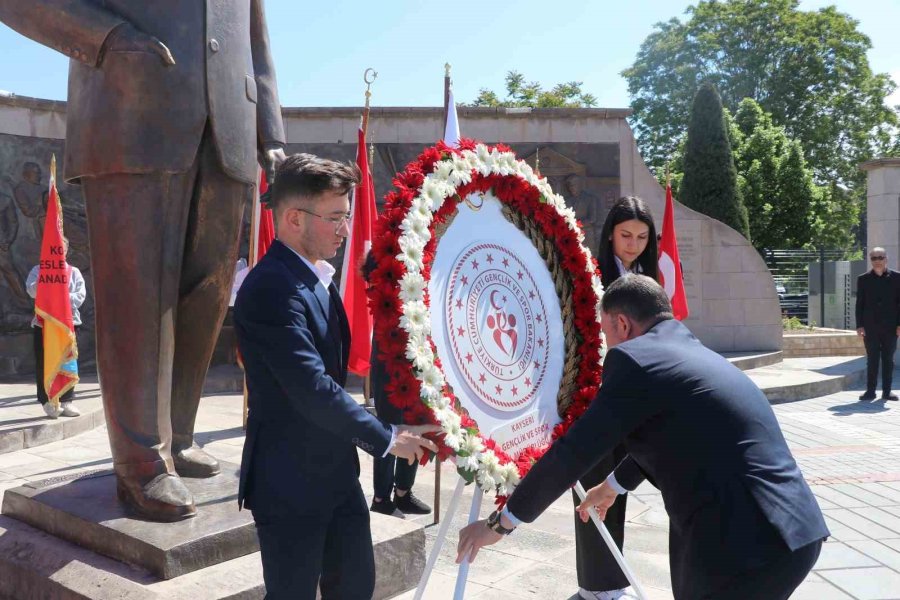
(163, 498)
(194, 461)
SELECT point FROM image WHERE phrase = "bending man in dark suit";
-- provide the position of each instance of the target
(743, 522)
(300, 469)
(878, 321)
(170, 104)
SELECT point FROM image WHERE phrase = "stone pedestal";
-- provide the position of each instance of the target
(70, 538)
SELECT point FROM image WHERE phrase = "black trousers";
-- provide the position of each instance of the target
(775, 580)
(597, 569)
(330, 549)
(38, 338)
(880, 347)
(389, 473)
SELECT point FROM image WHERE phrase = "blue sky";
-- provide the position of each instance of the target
(322, 48)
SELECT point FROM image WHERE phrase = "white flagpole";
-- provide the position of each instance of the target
(611, 544)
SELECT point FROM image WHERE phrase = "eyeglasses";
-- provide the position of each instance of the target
(336, 221)
(877, 257)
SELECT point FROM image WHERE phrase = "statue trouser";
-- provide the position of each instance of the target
(163, 252)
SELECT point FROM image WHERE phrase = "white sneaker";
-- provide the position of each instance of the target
(67, 409)
(51, 410)
(622, 594)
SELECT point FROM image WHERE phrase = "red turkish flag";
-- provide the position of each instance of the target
(353, 287)
(670, 274)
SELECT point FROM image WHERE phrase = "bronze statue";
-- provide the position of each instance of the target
(170, 104)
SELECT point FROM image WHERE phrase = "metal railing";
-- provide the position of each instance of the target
(790, 271)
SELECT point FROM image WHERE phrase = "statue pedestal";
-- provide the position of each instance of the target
(69, 537)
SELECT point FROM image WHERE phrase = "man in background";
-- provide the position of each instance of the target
(878, 321)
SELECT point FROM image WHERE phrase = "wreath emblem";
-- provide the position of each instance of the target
(508, 340)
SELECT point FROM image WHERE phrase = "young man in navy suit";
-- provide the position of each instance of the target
(300, 469)
(743, 522)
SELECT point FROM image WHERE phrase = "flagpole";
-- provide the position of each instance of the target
(367, 382)
(437, 461)
(251, 262)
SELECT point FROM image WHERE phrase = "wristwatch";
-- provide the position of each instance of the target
(493, 523)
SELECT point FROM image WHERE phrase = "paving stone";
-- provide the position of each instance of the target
(837, 555)
(861, 524)
(886, 555)
(819, 590)
(878, 583)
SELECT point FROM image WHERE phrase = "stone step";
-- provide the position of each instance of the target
(69, 537)
(753, 360)
(802, 378)
(23, 423)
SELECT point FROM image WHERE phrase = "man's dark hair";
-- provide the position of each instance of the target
(307, 176)
(639, 298)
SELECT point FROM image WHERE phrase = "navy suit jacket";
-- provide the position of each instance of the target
(303, 428)
(704, 434)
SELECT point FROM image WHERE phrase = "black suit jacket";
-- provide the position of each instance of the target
(303, 428)
(702, 431)
(878, 301)
(129, 113)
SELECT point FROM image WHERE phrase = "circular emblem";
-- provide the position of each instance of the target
(497, 326)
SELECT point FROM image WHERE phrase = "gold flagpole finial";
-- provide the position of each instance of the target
(53, 167)
(447, 69)
(369, 78)
(537, 160)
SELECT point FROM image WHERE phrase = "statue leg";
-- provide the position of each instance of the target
(136, 226)
(211, 251)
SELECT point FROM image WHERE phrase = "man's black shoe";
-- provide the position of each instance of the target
(868, 396)
(889, 396)
(386, 507)
(409, 504)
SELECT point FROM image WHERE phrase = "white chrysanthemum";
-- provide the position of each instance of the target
(442, 170)
(410, 254)
(487, 483)
(490, 461)
(435, 191)
(462, 171)
(441, 402)
(412, 287)
(416, 225)
(422, 208)
(418, 352)
(509, 479)
(415, 318)
(472, 445)
(433, 376)
(452, 438)
(485, 159)
(507, 163)
(468, 463)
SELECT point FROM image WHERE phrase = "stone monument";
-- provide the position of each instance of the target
(170, 104)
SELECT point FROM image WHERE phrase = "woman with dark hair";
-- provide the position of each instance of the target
(628, 242)
(627, 245)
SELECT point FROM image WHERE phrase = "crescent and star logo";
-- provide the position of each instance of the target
(497, 326)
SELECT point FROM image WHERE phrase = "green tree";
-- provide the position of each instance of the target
(520, 94)
(809, 69)
(786, 209)
(710, 178)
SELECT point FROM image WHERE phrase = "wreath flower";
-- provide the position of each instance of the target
(424, 198)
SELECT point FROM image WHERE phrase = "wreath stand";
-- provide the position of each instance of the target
(474, 510)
